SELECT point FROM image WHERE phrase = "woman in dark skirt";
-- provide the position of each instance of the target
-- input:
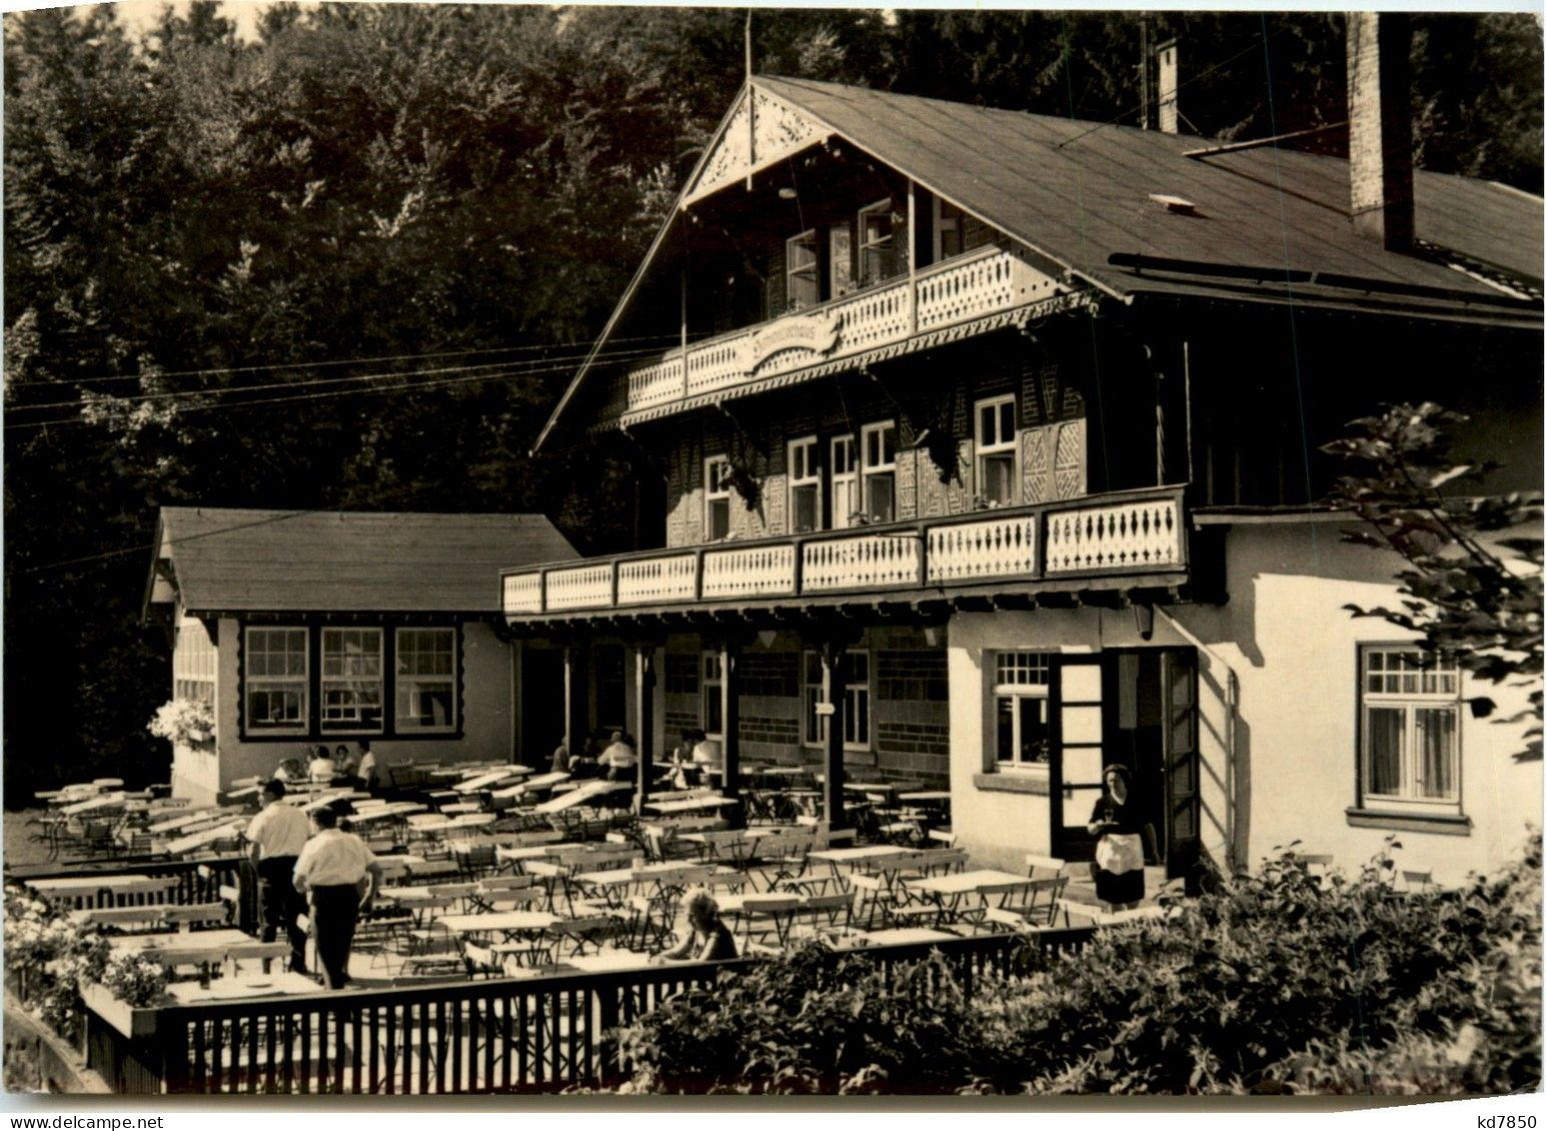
(1116, 824)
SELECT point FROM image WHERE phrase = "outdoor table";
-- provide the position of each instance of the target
(925, 797)
(91, 804)
(180, 940)
(392, 865)
(955, 888)
(492, 778)
(205, 836)
(498, 922)
(245, 791)
(588, 792)
(690, 805)
(119, 916)
(283, 983)
(856, 857)
(895, 936)
(78, 892)
(545, 781)
(607, 962)
(108, 783)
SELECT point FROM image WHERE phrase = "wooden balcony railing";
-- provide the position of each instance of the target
(979, 283)
(1134, 532)
(540, 1034)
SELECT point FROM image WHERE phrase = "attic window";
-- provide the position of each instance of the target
(1177, 204)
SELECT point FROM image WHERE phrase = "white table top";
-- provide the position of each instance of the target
(865, 852)
(172, 942)
(925, 796)
(690, 805)
(902, 936)
(112, 881)
(91, 804)
(204, 836)
(498, 921)
(254, 985)
(588, 792)
(962, 883)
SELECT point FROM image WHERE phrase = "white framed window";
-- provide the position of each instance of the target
(996, 444)
(1410, 728)
(877, 243)
(351, 679)
(713, 686)
(193, 663)
(804, 486)
(877, 445)
(716, 498)
(425, 680)
(1022, 730)
(802, 271)
(856, 699)
(276, 677)
(845, 482)
(949, 230)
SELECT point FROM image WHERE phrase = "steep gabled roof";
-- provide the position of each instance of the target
(232, 561)
(1082, 195)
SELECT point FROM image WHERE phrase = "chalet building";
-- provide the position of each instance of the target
(321, 627)
(989, 456)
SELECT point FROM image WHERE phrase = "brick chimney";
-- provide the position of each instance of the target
(1169, 112)
(1379, 93)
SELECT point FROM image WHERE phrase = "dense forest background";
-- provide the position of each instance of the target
(352, 263)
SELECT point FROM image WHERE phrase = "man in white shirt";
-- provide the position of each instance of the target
(366, 772)
(323, 768)
(275, 838)
(339, 876)
(618, 759)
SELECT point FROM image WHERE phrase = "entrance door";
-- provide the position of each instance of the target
(1182, 806)
(1077, 754)
(542, 704)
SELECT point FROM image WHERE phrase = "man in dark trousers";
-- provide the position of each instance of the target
(339, 876)
(274, 840)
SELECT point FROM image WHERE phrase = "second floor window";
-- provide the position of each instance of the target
(716, 498)
(878, 443)
(351, 679)
(877, 243)
(996, 450)
(804, 486)
(802, 271)
(845, 483)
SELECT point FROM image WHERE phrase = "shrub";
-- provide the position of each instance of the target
(809, 1023)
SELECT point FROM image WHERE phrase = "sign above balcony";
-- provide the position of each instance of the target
(811, 334)
(761, 130)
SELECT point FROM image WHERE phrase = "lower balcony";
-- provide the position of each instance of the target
(1130, 540)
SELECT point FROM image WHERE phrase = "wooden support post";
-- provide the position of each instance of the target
(833, 652)
(730, 713)
(644, 700)
(575, 724)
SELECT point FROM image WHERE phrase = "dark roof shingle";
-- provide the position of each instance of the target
(323, 561)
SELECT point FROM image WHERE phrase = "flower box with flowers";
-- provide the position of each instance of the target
(134, 1022)
(185, 722)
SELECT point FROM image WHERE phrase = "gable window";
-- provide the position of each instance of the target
(878, 447)
(804, 486)
(276, 676)
(351, 679)
(996, 450)
(716, 498)
(877, 243)
(949, 230)
(426, 679)
(713, 715)
(856, 699)
(1022, 732)
(845, 483)
(802, 271)
(1410, 740)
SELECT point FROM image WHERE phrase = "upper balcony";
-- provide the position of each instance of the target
(969, 293)
(1132, 540)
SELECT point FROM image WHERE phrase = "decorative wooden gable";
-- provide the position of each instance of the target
(759, 132)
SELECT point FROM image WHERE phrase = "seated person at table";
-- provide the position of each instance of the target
(344, 761)
(705, 754)
(560, 763)
(709, 940)
(618, 759)
(681, 767)
(289, 770)
(322, 767)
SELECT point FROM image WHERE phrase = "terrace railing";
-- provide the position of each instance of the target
(1122, 534)
(539, 1034)
(980, 283)
(191, 882)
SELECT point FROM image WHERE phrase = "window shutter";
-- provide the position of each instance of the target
(778, 285)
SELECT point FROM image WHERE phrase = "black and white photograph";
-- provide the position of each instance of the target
(570, 552)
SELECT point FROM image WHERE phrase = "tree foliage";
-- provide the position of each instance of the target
(1472, 581)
